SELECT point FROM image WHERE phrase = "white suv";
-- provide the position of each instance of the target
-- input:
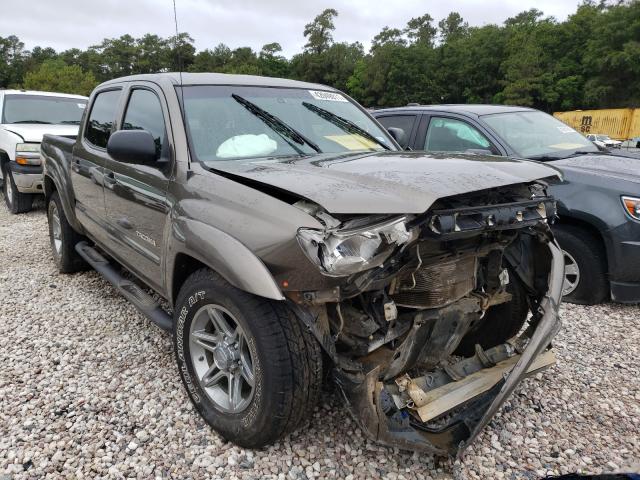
(25, 116)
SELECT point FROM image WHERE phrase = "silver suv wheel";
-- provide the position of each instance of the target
(571, 274)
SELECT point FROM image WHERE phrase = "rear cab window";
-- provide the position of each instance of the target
(102, 117)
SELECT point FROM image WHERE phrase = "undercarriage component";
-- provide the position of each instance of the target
(442, 410)
(437, 285)
(435, 335)
(433, 403)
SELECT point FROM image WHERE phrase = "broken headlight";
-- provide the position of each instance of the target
(344, 251)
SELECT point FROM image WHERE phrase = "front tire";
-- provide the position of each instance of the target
(63, 238)
(585, 266)
(251, 369)
(16, 202)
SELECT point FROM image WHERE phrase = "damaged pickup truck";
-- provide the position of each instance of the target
(291, 238)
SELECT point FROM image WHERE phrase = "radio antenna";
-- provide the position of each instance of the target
(175, 43)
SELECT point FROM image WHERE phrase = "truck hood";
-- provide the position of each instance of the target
(382, 182)
(34, 132)
(612, 166)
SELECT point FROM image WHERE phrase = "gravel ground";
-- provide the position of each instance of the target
(89, 388)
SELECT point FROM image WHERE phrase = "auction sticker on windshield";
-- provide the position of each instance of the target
(327, 96)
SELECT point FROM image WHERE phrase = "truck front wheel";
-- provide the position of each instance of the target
(251, 369)
(16, 202)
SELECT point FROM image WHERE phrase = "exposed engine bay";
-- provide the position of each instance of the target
(435, 311)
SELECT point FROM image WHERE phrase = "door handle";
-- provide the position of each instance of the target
(124, 223)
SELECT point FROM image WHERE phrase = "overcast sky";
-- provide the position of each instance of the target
(64, 24)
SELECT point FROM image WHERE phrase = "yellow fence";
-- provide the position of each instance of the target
(618, 123)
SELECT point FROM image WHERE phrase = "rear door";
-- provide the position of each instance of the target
(89, 157)
(136, 195)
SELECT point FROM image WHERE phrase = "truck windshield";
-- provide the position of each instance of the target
(534, 134)
(235, 122)
(42, 109)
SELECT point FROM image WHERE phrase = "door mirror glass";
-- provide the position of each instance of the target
(133, 146)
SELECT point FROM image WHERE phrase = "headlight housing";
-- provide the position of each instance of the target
(28, 154)
(345, 251)
(632, 206)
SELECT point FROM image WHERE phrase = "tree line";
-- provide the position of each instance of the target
(590, 60)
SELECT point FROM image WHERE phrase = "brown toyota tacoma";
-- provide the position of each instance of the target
(290, 237)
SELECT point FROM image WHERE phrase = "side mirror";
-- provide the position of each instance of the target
(132, 146)
(398, 135)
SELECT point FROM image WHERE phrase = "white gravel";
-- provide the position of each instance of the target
(89, 388)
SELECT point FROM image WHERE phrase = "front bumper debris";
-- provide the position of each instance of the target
(443, 417)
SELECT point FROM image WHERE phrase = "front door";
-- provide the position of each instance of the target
(135, 195)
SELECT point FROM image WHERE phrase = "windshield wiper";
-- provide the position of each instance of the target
(343, 123)
(550, 157)
(33, 121)
(276, 124)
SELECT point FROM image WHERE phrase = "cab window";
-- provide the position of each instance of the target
(144, 112)
(451, 135)
(101, 118)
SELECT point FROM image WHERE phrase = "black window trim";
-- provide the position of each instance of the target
(85, 140)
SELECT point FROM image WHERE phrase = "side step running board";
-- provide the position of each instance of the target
(132, 292)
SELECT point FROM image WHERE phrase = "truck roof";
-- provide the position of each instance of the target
(44, 94)
(476, 109)
(188, 78)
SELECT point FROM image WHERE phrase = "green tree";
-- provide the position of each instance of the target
(452, 27)
(56, 76)
(12, 58)
(271, 62)
(319, 32)
(215, 60)
(420, 30)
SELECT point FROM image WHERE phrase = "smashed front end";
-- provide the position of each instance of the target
(436, 317)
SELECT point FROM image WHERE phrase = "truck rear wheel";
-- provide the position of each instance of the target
(251, 369)
(63, 238)
(16, 202)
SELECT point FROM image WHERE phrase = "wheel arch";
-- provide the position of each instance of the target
(588, 227)
(194, 245)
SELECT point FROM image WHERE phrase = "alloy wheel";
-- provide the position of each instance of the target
(56, 228)
(571, 274)
(222, 359)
